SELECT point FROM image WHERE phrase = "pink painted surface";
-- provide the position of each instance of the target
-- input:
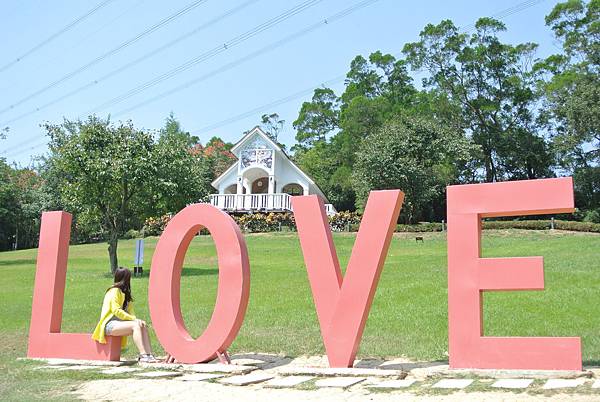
(469, 275)
(165, 278)
(45, 338)
(343, 304)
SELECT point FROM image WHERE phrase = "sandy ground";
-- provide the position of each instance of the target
(174, 390)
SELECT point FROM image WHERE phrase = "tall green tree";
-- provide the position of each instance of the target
(572, 86)
(493, 83)
(106, 170)
(181, 175)
(572, 89)
(317, 118)
(330, 129)
(414, 154)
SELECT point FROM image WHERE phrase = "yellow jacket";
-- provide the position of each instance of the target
(113, 306)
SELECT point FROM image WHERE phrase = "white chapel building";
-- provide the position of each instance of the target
(263, 179)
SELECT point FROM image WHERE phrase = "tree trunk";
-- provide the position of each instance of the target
(112, 250)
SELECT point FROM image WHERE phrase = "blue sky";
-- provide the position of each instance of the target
(228, 82)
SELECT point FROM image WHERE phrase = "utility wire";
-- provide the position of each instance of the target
(111, 52)
(132, 63)
(252, 55)
(208, 55)
(467, 28)
(54, 36)
(107, 23)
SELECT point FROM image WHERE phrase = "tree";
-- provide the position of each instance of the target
(376, 90)
(8, 207)
(493, 83)
(219, 155)
(105, 170)
(272, 125)
(414, 154)
(572, 89)
(317, 118)
(572, 86)
(182, 175)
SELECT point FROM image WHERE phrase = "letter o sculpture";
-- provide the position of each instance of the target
(165, 280)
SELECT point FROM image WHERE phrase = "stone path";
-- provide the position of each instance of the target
(263, 375)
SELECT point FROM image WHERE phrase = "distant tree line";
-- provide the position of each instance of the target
(111, 177)
(485, 111)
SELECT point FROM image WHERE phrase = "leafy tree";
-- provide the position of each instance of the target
(573, 84)
(8, 206)
(182, 175)
(414, 154)
(105, 170)
(272, 125)
(572, 89)
(317, 118)
(493, 83)
(219, 155)
(376, 90)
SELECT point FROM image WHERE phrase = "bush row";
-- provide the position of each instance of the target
(350, 221)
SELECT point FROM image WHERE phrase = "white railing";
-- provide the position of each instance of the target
(257, 202)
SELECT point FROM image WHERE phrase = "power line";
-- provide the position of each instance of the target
(111, 52)
(252, 55)
(209, 54)
(267, 106)
(501, 15)
(146, 56)
(54, 36)
(79, 42)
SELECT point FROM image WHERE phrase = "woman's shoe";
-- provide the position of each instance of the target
(147, 358)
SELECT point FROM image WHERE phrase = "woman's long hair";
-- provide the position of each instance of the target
(122, 278)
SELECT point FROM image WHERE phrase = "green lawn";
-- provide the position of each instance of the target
(408, 317)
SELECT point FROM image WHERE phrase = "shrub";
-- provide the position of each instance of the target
(154, 226)
(531, 225)
(344, 220)
(261, 222)
(132, 234)
(420, 227)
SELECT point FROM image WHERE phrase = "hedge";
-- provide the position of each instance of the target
(350, 221)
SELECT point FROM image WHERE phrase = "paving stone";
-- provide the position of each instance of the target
(394, 384)
(199, 377)
(288, 382)
(120, 370)
(454, 383)
(513, 383)
(49, 367)
(328, 371)
(252, 378)
(596, 384)
(77, 368)
(158, 374)
(247, 362)
(556, 383)
(201, 367)
(74, 362)
(339, 382)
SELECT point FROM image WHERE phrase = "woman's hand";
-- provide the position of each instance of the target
(141, 322)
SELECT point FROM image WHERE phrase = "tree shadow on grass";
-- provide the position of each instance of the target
(186, 271)
(23, 261)
(591, 363)
(190, 271)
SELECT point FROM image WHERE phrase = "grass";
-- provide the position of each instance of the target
(408, 316)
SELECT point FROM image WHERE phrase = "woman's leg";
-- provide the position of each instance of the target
(126, 328)
(146, 340)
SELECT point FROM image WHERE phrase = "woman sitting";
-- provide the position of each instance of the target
(118, 318)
